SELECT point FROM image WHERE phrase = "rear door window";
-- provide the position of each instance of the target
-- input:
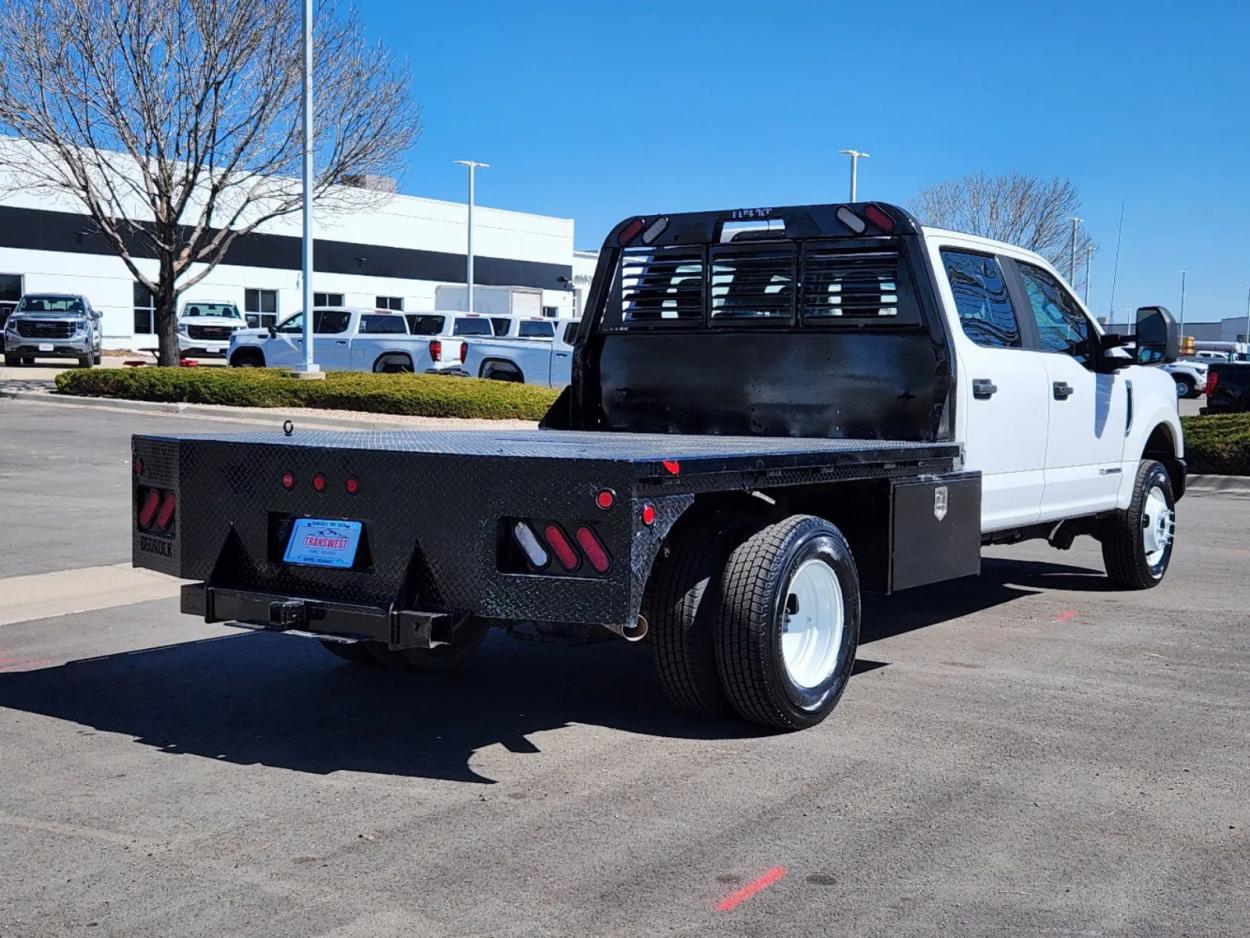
(981, 299)
(331, 321)
(382, 325)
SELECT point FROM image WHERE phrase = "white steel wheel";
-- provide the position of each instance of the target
(1157, 525)
(811, 635)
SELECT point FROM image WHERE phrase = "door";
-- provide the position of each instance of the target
(1088, 410)
(331, 342)
(285, 348)
(1001, 403)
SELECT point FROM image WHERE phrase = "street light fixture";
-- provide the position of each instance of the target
(856, 156)
(473, 166)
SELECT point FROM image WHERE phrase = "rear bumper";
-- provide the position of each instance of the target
(274, 612)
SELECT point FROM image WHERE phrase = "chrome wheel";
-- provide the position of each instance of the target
(1158, 524)
(812, 630)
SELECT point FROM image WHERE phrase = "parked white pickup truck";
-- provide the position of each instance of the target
(205, 327)
(526, 356)
(345, 340)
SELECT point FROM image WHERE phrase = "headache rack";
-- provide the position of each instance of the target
(813, 266)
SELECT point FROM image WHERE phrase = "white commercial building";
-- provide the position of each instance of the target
(403, 253)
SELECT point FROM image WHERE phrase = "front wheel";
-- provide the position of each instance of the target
(789, 624)
(12, 361)
(1137, 542)
(1185, 387)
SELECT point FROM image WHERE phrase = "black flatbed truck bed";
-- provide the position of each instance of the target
(688, 458)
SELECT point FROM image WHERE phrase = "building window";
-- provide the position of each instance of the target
(10, 292)
(394, 303)
(551, 312)
(327, 299)
(261, 307)
(145, 310)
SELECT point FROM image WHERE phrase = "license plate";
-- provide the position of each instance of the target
(46, 346)
(318, 543)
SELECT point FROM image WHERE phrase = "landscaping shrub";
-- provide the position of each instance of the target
(416, 395)
(1218, 445)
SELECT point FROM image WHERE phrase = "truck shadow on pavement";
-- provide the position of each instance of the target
(254, 698)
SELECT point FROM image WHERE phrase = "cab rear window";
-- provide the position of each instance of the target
(424, 324)
(472, 327)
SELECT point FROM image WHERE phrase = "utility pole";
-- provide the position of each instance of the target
(310, 368)
(473, 167)
(856, 156)
(1184, 280)
(1072, 260)
(1247, 342)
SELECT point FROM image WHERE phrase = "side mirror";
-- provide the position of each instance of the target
(273, 332)
(1158, 338)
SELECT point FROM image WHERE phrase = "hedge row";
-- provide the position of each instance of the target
(1218, 445)
(416, 395)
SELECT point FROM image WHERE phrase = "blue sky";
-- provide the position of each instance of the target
(596, 111)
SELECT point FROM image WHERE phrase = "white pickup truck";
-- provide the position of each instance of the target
(346, 340)
(533, 351)
(205, 327)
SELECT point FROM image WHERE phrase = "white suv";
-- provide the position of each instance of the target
(205, 327)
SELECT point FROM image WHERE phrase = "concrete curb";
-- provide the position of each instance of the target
(260, 416)
(1235, 485)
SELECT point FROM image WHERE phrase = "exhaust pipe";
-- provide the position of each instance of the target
(636, 632)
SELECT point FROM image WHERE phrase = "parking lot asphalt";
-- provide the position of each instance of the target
(1024, 753)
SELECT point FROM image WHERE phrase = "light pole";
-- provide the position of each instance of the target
(473, 167)
(1089, 254)
(310, 367)
(1247, 342)
(856, 156)
(1184, 280)
(1072, 261)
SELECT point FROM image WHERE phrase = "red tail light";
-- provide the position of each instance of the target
(165, 516)
(1213, 379)
(648, 514)
(561, 547)
(436, 350)
(464, 352)
(593, 550)
(147, 514)
(879, 218)
(630, 231)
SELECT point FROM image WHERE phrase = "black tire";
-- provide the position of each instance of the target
(28, 360)
(1123, 550)
(442, 658)
(12, 361)
(355, 652)
(1185, 386)
(84, 361)
(248, 358)
(755, 604)
(493, 372)
(682, 609)
(97, 358)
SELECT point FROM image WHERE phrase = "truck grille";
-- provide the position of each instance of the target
(209, 332)
(39, 329)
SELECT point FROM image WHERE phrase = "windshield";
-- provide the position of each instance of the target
(473, 327)
(425, 325)
(50, 304)
(217, 310)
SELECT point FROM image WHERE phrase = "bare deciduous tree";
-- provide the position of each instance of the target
(177, 123)
(1024, 210)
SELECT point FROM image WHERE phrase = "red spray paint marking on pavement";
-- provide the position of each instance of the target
(1066, 615)
(736, 898)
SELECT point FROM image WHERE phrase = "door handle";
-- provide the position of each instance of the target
(341, 342)
(983, 389)
(1062, 390)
